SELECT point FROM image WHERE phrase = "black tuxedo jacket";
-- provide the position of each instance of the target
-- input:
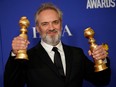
(39, 70)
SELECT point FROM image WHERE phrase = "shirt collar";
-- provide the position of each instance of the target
(48, 47)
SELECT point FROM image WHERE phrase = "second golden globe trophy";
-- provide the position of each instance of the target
(24, 23)
(99, 64)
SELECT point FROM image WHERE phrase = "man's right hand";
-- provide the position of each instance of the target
(19, 43)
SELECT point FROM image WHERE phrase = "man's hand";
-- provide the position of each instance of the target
(98, 53)
(19, 43)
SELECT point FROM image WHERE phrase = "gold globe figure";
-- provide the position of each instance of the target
(99, 64)
(24, 23)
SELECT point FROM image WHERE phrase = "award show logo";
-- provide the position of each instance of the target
(65, 30)
(93, 4)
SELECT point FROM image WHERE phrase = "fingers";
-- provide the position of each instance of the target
(89, 52)
(19, 43)
(99, 53)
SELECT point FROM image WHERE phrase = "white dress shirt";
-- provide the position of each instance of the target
(48, 49)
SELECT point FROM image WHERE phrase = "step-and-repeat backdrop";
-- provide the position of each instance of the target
(78, 15)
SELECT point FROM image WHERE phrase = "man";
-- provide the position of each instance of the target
(42, 70)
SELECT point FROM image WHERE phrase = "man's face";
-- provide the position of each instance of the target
(49, 26)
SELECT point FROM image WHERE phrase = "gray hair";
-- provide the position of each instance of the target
(46, 6)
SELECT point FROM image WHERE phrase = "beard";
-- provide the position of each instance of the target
(52, 39)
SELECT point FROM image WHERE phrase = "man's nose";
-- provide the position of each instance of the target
(51, 26)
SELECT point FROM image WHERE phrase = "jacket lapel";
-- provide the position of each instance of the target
(40, 51)
(46, 59)
(68, 58)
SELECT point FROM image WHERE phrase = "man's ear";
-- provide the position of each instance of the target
(37, 28)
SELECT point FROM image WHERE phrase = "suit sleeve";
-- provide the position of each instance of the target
(14, 73)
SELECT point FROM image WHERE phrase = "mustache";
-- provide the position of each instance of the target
(53, 30)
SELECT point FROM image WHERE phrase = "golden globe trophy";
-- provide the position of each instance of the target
(24, 23)
(99, 64)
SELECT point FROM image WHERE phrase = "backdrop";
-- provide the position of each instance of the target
(77, 16)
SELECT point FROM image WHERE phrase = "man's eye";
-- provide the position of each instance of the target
(44, 24)
(56, 22)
